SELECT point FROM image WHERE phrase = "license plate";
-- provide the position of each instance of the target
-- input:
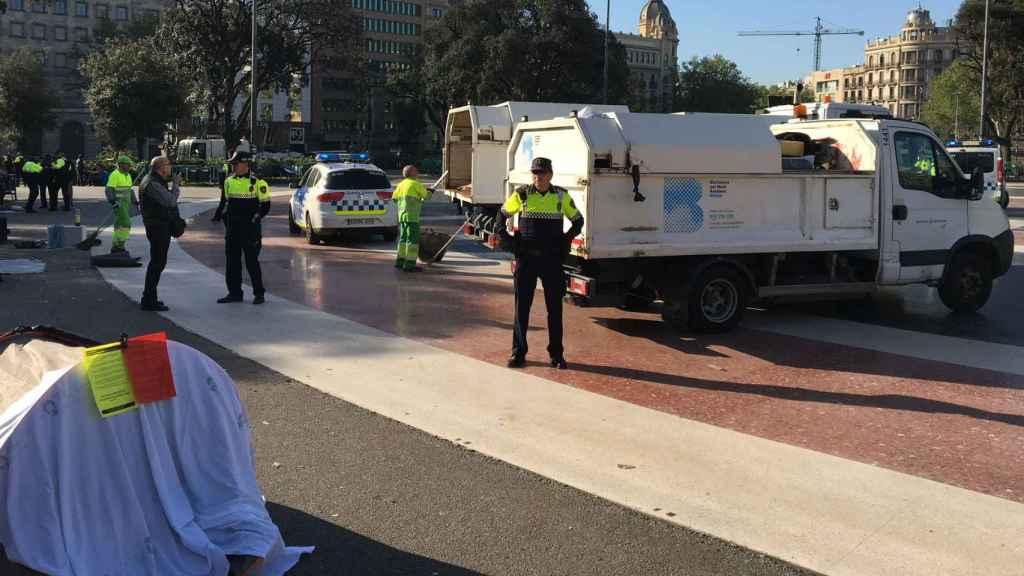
(361, 220)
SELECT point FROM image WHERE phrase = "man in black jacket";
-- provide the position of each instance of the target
(158, 194)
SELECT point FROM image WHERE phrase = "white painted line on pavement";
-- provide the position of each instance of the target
(829, 514)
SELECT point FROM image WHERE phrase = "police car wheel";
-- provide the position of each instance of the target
(293, 228)
(967, 284)
(311, 236)
(391, 234)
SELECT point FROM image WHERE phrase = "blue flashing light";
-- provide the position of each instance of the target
(328, 157)
(343, 157)
(953, 144)
(987, 142)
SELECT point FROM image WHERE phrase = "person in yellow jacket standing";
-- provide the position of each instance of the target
(244, 203)
(409, 197)
(32, 173)
(121, 197)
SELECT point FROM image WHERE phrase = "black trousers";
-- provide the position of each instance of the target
(549, 270)
(64, 187)
(67, 193)
(33, 192)
(243, 238)
(158, 233)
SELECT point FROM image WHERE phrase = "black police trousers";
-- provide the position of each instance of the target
(243, 238)
(33, 192)
(59, 184)
(547, 268)
(158, 232)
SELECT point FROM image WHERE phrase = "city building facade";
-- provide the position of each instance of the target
(827, 85)
(897, 70)
(60, 33)
(349, 112)
(652, 57)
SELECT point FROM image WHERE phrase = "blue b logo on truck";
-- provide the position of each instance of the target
(683, 214)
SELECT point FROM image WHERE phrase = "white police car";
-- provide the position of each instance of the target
(983, 154)
(342, 192)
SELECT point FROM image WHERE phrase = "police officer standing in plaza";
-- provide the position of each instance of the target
(32, 172)
(59, 181)
(541, 244)
(244, 203)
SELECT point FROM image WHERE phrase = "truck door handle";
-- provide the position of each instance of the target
(899, 212)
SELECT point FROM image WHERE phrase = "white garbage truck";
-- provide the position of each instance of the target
(710, 212)
(476, 153)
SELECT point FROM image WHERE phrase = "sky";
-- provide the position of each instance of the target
(710, 27)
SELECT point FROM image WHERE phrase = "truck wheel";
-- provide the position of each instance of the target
(311, 236)
(967, 284)
(716, 300)
(293, 228)
(1004, 199)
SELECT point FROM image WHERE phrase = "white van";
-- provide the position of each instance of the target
(984, 155)
(701, 212)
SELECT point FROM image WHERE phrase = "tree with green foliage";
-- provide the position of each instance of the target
(954, 95)
(132, 92)
(806, 96)
(26, 101)
(210, 39)
(1004, 111)
(715, 84)
(490, 51)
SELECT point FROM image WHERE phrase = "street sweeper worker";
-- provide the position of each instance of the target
(409, 196)
(121, 197)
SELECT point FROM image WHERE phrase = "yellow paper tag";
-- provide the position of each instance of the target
(109, 380)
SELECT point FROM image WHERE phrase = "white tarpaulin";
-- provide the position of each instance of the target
(169, 488)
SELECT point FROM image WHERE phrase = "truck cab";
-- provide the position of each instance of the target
(708, 212)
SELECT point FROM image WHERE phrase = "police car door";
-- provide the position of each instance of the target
(928, 217)
(299, 197)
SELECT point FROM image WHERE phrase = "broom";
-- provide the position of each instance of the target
(91, 240)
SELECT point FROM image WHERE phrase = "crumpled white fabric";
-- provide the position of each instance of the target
(169, 488)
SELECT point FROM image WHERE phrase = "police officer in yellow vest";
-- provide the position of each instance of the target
(121, 197)
(59, 182)
(244, 204)
(31, 173)
(409, 196)
(541, 245)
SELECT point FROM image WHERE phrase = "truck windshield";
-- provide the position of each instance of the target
(358, 180)
(968, 161)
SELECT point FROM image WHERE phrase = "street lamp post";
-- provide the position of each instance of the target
(984, 73)
(607, 17)
(956, 117)
(254, 96)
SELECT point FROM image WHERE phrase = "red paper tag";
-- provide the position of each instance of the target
(149, 366)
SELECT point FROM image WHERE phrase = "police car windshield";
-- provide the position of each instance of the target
(357, 180)
(968, 161)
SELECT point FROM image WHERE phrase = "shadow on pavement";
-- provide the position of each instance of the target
(772, 349)
(341, 551)
(886, 401)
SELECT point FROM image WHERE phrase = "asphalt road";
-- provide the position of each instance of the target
(375, 496)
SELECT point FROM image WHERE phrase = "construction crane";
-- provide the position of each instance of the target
(818, 32)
